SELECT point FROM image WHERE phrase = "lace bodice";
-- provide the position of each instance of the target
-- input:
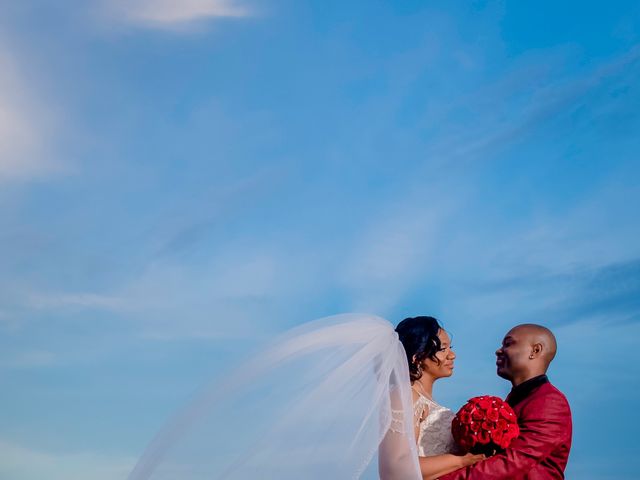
(434, 436)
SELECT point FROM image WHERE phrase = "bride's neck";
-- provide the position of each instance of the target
(424, 385)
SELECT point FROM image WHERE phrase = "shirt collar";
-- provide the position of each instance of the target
(523, 390)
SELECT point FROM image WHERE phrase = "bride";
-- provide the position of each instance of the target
(430, 357)
(343, 397)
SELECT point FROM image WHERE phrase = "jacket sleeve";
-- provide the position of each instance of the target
(544, 424)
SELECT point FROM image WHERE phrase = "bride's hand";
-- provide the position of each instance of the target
(470, 459)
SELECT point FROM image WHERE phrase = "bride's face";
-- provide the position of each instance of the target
(443, 367)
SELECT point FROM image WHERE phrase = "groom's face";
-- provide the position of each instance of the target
(512, 356)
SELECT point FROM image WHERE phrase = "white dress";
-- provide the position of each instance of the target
(434, 437)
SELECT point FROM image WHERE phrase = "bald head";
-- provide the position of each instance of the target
(526, 352)
(541, 339)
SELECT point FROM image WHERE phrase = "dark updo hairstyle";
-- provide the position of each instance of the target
(419, 337)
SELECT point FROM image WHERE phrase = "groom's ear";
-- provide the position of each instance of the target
(536, 350)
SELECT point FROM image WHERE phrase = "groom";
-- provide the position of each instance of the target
(542, 449)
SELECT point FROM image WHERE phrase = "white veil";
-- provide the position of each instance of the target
(328, 400)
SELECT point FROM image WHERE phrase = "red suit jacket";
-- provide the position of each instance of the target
(542, 449)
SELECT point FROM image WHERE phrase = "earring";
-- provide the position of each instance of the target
(418, 369)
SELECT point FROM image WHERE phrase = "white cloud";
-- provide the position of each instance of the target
(80, 300)
(21, 126)
(396, 249)
(225, 296)
(385, 261)
(592, 234)
(222, 296)
(21, 463)
(29, 359)
(171, 14)
(227, 293)
(525, 98)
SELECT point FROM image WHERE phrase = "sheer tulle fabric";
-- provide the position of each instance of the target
(330, 399)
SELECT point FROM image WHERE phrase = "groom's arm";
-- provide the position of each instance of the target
(543, 426)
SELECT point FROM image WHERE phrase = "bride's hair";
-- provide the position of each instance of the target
(419, 337)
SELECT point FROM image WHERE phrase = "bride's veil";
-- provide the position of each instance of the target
(328, 400)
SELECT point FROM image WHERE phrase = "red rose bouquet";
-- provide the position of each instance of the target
(485, 424)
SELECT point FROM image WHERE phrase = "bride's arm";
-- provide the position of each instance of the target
(419, 414)
(432, 467)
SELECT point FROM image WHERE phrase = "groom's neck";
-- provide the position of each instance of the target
(517, 380)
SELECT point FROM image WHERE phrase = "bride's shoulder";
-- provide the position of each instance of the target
(420, 406)
(415, 396)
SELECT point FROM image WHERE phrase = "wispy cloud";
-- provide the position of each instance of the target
(23, 463)
(28, 359)
(230, 294)
(171, 15)
(23, 126)
(562, 266)
(572, 353)
(71, 300)
(395, 249)
(219, 297)
(610, 293)
(527, 97)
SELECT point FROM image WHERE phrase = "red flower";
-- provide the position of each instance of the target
(506, 441)
(488, 426)
(496, 436)
(484, 437)
(478, 414)
(507, 413)
(492, 414)
(465, 417)
(485, 424)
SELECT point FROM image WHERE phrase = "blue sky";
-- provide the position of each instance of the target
(180, 180)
